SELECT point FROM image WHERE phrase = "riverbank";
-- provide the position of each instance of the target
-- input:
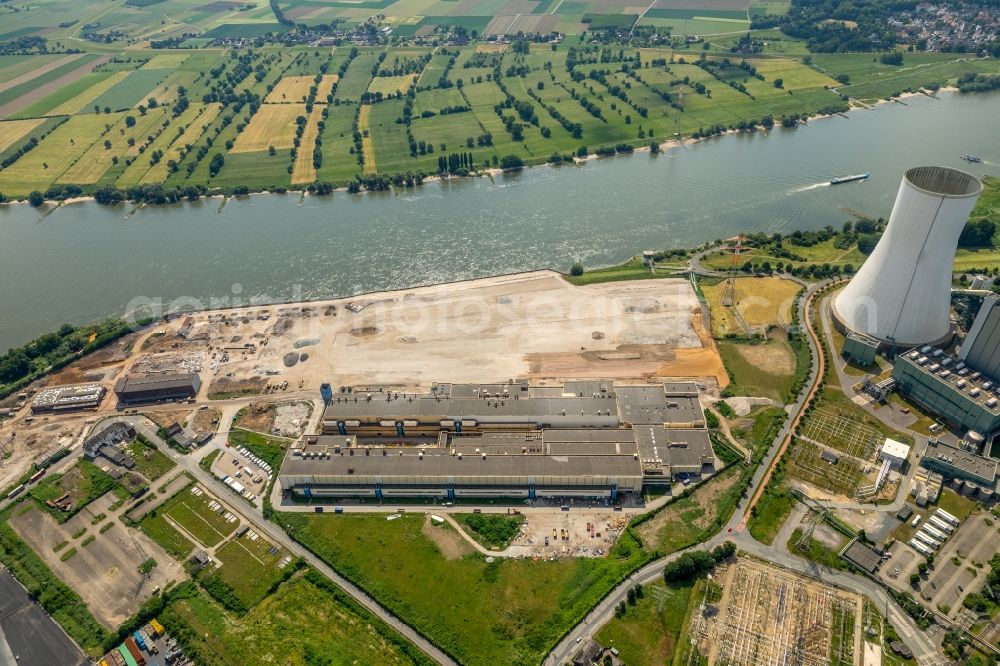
(82, 262)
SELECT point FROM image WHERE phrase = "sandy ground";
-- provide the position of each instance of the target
(532, 325)
(579, 542)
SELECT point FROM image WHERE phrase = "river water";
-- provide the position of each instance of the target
(83, 262)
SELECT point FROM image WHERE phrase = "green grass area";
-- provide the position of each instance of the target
(771, 510)
(307, 620)
(249, 569)
(755, 379)
(507, 611)
(633, 269)
(493, 530)
(817, 551)
(83, 483)
(955, 504)
(648, 633)
(206, 462)
(132, 90)
(149, 461)
(269, 449)
(695, 514)
(193, 513)
(159, 530)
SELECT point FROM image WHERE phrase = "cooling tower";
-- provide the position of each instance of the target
(902, 294)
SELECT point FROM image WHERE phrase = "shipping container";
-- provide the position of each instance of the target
(127, 656)
(942, 525)
(157, 627)
(138, 641)
(134, 651)
(944, 515)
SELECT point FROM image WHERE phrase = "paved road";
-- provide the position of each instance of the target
(923, 647)
(278, 536)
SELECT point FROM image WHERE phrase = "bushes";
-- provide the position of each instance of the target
(493, 530)
(511, 162)
(222, 592)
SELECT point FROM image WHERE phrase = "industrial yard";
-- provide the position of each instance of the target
(768, 616)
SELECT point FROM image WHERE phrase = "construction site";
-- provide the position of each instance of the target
(532, 325)
(769, 616)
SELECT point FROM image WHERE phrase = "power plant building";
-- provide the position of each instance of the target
(585, 439)
(981, 348)
(902, 294)
(955, 463)
(946, 386)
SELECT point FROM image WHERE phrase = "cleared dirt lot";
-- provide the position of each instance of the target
(579, 542)
(105, 572)
(532, 325)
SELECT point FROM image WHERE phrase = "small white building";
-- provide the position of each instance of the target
(895, 452)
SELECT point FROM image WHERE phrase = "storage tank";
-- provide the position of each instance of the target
(902, 293)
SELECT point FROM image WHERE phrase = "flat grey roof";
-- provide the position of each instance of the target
(384, 406)
(649, 405)
(437, 463)
(157, 382)
(29, 632)
(674, 447)
(983, 468)
(950, 375)
(862, 556)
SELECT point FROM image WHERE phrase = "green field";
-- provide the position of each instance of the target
(149, 461)
(159, 530)
(307, 621)
(532, 103)
(506, 612)
(84, 482)
(193, 514)
(133, 89)
(249, 568)
(647, 634)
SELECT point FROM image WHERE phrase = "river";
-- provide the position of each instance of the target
(83, 261)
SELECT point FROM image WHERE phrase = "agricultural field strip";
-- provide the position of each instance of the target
(39, 71)
(159, 171)
(81, 101)
(91, 165)
(12, 131)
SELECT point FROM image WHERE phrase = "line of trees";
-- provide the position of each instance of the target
(693, 564)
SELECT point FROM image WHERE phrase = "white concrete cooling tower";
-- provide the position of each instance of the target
(902, 294)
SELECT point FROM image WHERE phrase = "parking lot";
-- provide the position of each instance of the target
(252, 476)
(955, 570)
(974, 543)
